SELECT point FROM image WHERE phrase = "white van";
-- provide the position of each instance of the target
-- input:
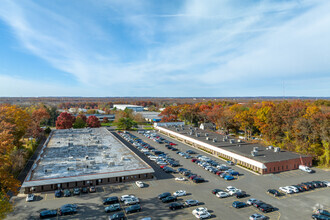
(305, 168)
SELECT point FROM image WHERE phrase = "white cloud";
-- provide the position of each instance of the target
(197, 44)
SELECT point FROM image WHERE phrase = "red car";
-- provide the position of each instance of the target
(173, 144)
(218, 173)
(193, 160)
(162, 166)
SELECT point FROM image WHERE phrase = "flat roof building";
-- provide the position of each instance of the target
(151, 116)
(84, 157)
(252, 156)
(135, 108)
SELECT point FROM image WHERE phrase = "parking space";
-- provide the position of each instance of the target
(295, 206)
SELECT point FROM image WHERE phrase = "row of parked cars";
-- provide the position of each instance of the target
(131, 202)
(200, 213)
(229, 191)
(305, 186)
(67, 209)
(190, 175)
(321, 214)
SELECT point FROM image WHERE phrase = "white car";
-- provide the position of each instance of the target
(30, 197)
(153, 158)
(294, 189)
(180, 179)
(199, 209)
(139, 184)
(179, 193)
(232, 192)
(327, 183)
(124, 197)
(230, 188)
(222, 194)
(286, 190)
(131, 201)
(202, 215)
(257, 217)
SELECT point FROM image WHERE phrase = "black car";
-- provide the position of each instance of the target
(110, 200)
(133, 208)
(266, 208)
(76, 191)
(258, 203)
(174, 164)
(319, 183)
(67, 211)
(215, 191)
(181, 170)
(157, 152)
(169, 199)
(198, 180)
(274, 192)
(164, 195)
(186, 173)
(168, 170)
(176, 205)
(84, 190)
(241, 194)
(174, 149)
(58, 193)
(309, 184)
(190, 152)
(320, 217)
(48, 213)
(118, 216)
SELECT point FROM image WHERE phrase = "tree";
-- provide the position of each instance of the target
(126, 123)
(38, 115)
(105, 120)
(65, 121)
(93, 122)
(79, 123)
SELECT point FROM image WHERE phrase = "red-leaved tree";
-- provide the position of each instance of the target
(93, 122)
(65, 121)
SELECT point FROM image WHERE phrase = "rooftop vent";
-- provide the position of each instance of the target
(206, 134)
(224, 139)
(270, 147)
(231, 141)
(197, 134)
(277, 149)
(254, 153)
(215, 140)
(207, 138)
(255, 148)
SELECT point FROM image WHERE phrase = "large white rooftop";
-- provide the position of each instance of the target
(79, 154)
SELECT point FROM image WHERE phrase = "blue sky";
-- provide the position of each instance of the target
(165, 48)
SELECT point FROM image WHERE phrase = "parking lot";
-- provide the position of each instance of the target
(294, 206)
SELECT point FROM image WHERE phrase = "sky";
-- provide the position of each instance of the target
(165, 48)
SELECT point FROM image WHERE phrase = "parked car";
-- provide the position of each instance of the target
(92, 189)
(222, 194)
(67, 193)
(112, 208)
(110, 200)
(169, 199)
(76, 191)
(131, 201)
(30, 197)
(67, 211)
(257, 217)
(198, 180)
(58, 193)
(228, 177)
(176, 205)
(164, 195)
(139, 184)
(179, 193)
(48, 214)
(238, 204)
(320, 217)
(306, 169)
(251, 201)
(191, 202)
(230, 162)
(84, 190)
(117, 216)
(215, 191)
(74, 206)
(180, 179)
(240, 194)
(266, 208)
(125, 197)
(322, 212)
(201, 213)
(133, 208)
(273, 192)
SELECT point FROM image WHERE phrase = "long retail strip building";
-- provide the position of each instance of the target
(81, 158)
(263, 160)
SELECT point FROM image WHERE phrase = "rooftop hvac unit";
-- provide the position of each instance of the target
(206, 134)
(214, 140)
(92, 162)
(70, 168)
(48, 170)
(86, 157)
(224, 139)
(177, 129)
(255, 148)
(207, 138)
(111, 164)
(231, 141)
(239, 141)
(270, 147)
(254, 153)
(195, 129)
(197, 134)
(277, 149)
(70, 144)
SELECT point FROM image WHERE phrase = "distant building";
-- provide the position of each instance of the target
(135, 108)
(151, 116)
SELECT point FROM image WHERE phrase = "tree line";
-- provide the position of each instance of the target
(19, 134)
(300, 126)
